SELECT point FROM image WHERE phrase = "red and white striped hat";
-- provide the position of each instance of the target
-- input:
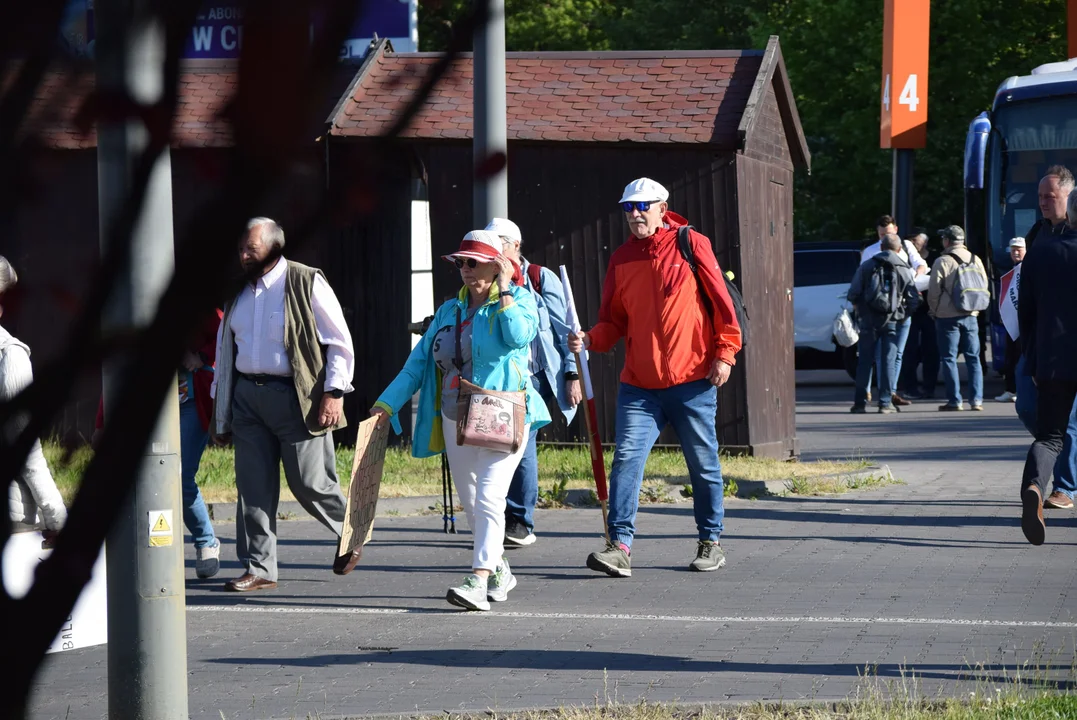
(481, 245)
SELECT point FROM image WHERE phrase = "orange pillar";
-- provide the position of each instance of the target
(903, 111)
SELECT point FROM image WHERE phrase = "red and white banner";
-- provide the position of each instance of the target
(1009, 286)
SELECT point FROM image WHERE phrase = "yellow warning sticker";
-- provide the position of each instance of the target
(160, 528)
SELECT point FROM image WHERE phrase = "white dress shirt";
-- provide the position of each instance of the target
(913, 257)
(258, 323)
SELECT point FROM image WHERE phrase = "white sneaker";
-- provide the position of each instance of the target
(208, 560)
(499, 584)
(470, 595)
(1007, 397)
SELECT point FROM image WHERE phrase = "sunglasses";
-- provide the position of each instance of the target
(641, 206)
(471, 262)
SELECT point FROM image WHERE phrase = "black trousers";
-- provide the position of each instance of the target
(1052, 416)
(1009, 366)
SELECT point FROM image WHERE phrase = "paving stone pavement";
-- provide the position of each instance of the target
(931, 578)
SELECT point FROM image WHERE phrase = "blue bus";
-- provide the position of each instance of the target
(1032, 124)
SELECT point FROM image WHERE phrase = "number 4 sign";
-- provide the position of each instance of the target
(906, 28)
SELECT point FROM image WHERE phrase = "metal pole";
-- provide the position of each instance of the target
(902, 189)
(147, 641)
(491, 135)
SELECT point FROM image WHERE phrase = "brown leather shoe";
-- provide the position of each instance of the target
(1032, 515)
(899, 401)
(1058, 500)
(344, 564)
(247, 582)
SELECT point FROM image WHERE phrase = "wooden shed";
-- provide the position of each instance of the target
(718, 128)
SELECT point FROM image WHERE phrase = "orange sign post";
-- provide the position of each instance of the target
(906, 29)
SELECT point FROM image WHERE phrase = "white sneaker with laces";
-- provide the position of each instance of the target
(499, 584)
(1007, 397)
(470, 595)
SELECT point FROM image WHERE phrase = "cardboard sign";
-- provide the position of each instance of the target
(906, 30)
(88, 622)
(1009, 287)
(367, 467)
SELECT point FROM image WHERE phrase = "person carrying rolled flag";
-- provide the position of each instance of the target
(677, 354)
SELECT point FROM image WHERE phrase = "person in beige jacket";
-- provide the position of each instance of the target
(957, 330)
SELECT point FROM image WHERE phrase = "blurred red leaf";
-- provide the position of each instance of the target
(491, 165)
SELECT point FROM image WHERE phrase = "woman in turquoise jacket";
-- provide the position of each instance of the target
(498, 321)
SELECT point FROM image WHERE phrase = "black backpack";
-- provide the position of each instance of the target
(689, 256)
(883, 292)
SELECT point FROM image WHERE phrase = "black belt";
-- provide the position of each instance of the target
(266, 379)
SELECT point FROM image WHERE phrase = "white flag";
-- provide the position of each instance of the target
(573, 321)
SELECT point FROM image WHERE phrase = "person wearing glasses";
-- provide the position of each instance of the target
(676, 356)
(498, 320)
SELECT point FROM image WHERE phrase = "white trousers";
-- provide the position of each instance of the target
(482, 480)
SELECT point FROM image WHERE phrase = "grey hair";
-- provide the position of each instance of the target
(1071, 209)
(272, 234)
(890, 242)
(1065, 177)
(8, 276)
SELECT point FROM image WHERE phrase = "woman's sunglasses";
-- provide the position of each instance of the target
(471, 262)
(641, 206)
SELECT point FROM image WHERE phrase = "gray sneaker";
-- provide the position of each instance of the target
(470, 595)
(613, 561)
(709, 557)
(499, 584)
(207, 562)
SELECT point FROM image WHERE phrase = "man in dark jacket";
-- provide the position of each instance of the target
(1047, 314)
(885, 297)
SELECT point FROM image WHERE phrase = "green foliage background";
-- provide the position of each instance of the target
(833, 50)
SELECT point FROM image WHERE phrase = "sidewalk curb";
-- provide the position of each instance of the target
(401, 506)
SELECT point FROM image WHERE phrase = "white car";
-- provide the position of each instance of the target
(821, 275)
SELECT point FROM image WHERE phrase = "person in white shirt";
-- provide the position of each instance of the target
(284, 362)
(886, 226)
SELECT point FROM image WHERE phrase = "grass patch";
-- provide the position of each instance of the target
(837, 484)
(561, 469)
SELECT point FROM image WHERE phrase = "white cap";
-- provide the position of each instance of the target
(1017, 242)
(477, 245)
(644, 190)
(506, 229)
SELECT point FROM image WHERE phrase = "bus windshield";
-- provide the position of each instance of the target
(1027, 138)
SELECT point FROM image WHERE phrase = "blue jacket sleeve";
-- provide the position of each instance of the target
(518, 321)
(553, 293)
(410, 378)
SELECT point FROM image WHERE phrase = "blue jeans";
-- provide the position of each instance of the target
(922, 347)
(192, 442)
(642, 414)
(523, 491)
(960, 335)
(1027, 402)
(888, 337)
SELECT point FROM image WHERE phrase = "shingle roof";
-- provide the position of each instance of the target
(203, 94)
(685, 97)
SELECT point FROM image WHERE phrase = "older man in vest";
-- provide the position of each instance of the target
(284, 362)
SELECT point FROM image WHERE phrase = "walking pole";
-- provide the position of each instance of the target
(598, 462)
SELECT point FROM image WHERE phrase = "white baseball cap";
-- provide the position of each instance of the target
(644, 190)
(478, 245)
(1017, 242)
(506, 229)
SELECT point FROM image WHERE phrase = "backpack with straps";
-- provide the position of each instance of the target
(685, 245)
(970, 291)
(882, 293)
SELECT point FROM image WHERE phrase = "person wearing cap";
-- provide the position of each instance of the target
(957, 330)
(498, 320)
(676, 356)
(1013, 347)
(553, 373)
(922, 346)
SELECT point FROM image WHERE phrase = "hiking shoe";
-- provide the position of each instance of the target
(613, 561)
(499, 584)
(516, 533)
(899, 401)
(1032, 515)
(1058, 500)
(470, 595)
(207, 560)
(709, 557)
(887, 409)
(858, 409)
(1006, 397)
(951, 408)
(976, 408)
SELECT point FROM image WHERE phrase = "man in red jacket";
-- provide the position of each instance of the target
(196, 407)
(676, 356)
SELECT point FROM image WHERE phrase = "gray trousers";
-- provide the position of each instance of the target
(267, 429)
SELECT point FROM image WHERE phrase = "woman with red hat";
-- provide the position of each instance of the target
(479, 338)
